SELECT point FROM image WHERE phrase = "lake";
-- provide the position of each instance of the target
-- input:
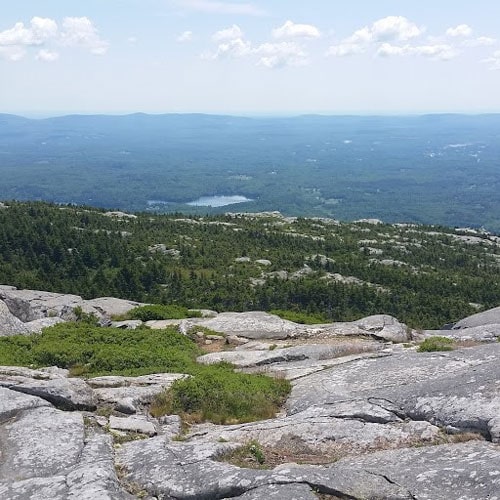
(218, 201)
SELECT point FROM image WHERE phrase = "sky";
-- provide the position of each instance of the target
(249, 57)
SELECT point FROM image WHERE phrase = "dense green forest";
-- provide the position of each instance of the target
(425, 276)
(435, 169)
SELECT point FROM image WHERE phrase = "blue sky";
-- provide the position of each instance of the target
(249, 57)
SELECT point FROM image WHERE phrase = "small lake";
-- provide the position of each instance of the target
(218, 201)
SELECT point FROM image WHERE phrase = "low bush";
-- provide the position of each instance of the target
(219, 394)
(433, 344)
(93, 351)
(159, 312)
(214, 392)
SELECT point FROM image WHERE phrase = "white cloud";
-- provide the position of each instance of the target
(233, 48)
(132, 40)
(387, 29)
(481, 41)
(292, 30)
(232, 33)
(493, 61)
(43, 29)
(394, 28)
(47, 56)
(219, 7)
(39, 31)
(460, 30)
(185, 36)
(81, 32)
(276, 55)
(441, 52)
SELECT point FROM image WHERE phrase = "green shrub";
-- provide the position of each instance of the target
(433, 344)
(95, 351)
(219, 394)
(214, 392)
(159, 312)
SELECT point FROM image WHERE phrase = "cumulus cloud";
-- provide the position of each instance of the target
(185, 36)
(220, 7)
(39, 31)
(387, 29)
(232, 33)
(460, 30)
(233, 48)
(394, 28)
(276, 55)
(76, 31)
(231, 43)
(81, 32)
(291, 30)
(47, 56)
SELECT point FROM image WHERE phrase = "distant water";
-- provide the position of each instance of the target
(218, 201)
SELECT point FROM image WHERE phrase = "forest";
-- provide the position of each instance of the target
(433, 169)
(316, 268)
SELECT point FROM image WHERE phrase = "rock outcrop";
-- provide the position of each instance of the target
(368, 417)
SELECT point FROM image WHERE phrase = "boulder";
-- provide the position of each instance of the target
(254, 325)
(109, 306)
(64, 393)
(132, 424)
(482, 333)
(490, 317)
(9, 324)
(28, 305)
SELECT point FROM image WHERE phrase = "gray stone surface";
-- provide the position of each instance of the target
(28, 305)
(138, 424)
(110, 306)
(93, 477)
(10, 324)
(336, 429)
(64, 393)
(127, 394)
(458, 388)
(492, 316)
(467, 471)
(130, 324)
(482, 333)
(280, 492)
(37, 325)
(255, 325)
(299, 356)
(40, 442)
(12, 403)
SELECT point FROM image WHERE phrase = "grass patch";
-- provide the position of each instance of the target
(434, 344)
(159, 312)
(250, 456)
(300, 317)
(92, 351)
(218, 394)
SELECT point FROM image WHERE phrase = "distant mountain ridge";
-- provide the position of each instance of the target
(440, 169)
